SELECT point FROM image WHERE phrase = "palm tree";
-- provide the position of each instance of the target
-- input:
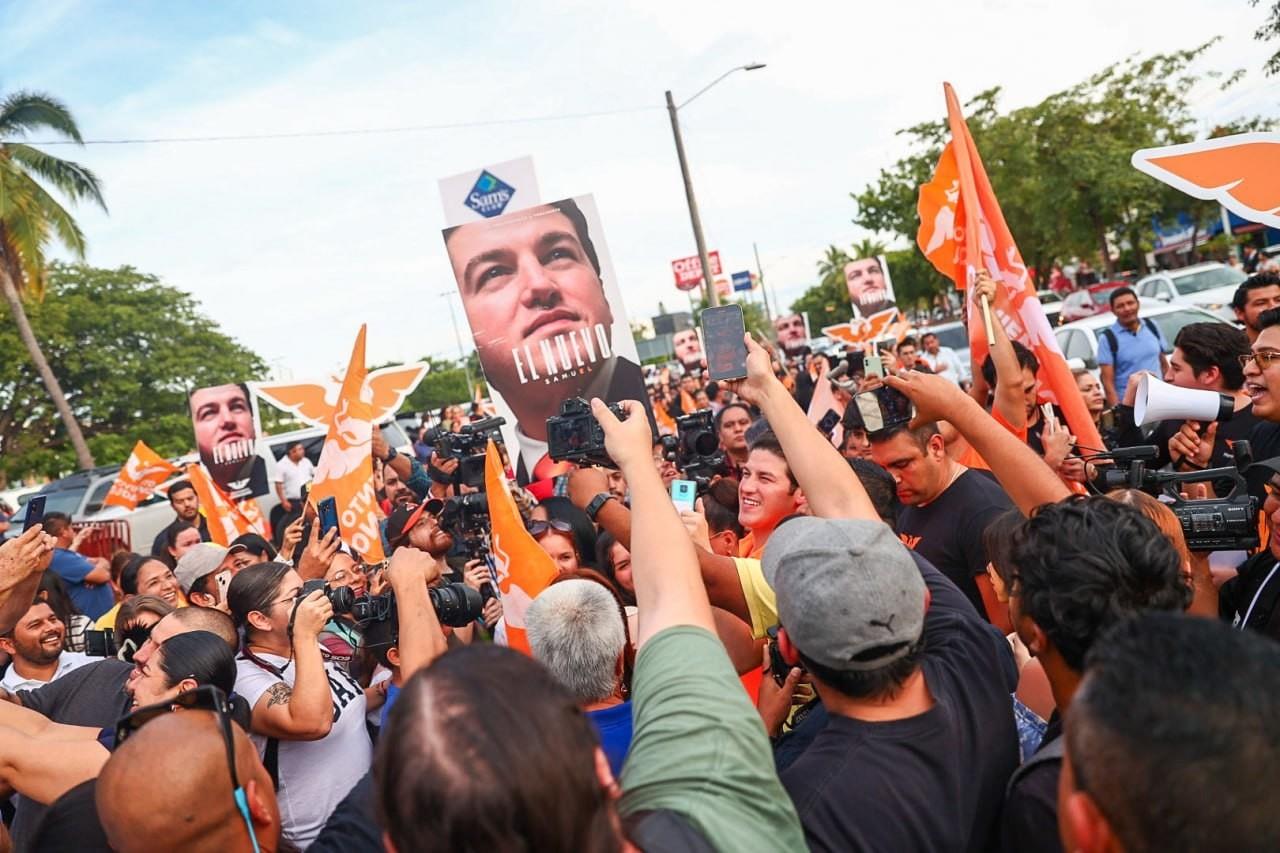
(867, 248)
(831, 267)
(30, 218)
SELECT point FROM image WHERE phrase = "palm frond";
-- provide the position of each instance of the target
(23, 112)
(21, 240)
(72, 179)
(55, 217)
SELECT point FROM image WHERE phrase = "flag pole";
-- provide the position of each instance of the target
(969, 194)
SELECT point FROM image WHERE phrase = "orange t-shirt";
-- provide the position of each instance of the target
(747, 547)
(970, 458)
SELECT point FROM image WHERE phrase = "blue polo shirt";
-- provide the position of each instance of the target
(613, 725)
(1134, 351)
(73, 569)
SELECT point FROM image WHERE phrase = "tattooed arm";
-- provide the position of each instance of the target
(305, 710)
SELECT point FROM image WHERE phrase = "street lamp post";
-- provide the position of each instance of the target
(462, 353)
(709, 288)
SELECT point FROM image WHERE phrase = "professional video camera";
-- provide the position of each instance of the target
(109, 643)
(456, 604)
(468, 446)
(695, 448)
(466, 517)
(1212, 524)
(574, 435)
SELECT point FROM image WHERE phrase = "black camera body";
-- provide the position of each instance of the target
(574, 435)
(468, 446)
(456, 604)
(1211, 524)
(466, 517)
(341, 598)
(695, 448)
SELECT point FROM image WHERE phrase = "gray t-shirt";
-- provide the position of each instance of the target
(92, 695)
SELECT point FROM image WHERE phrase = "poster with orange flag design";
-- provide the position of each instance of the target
(1240, 172)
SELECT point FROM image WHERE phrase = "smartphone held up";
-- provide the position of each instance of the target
(723, 331)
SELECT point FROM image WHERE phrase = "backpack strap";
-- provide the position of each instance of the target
(1051, 751)
(1112, 343)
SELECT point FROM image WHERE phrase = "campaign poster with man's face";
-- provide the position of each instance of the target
(688, 349)
(870, 288)
(546, 314)
(225, 418)
(792, 331)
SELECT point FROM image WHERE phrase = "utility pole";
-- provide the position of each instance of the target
(462, 353)
(764, 292)
(709, 288)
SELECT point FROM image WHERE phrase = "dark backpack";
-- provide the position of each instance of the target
(1114, 345)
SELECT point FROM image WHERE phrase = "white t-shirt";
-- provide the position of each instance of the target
(67, 661)
(294, 475)
(946, 355)
(315, 775)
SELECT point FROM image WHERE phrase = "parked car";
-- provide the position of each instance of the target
(1079, 340)
(1088, 301)
(1210, 286)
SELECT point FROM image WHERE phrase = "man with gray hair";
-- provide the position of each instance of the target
(576, 631)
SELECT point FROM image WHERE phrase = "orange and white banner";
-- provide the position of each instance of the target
(139, 477)
(386, 389)
(824, 400)
(1240, 172)
(523, 568)
(227, 518)
(345, 472)
(885, 324)
(962, 230)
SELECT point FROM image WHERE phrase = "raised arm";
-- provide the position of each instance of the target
(305, 710)
(421, 639)
(1025, 477)
(669, 589)
(830, 487)
(22, 559)
(1008, 399)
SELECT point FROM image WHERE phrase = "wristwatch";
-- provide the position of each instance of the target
(597, 502)
(391, 454)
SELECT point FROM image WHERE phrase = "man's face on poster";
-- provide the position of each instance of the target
(865, 281)
(225, 434)
(525, 279)
(688, 348)
(790, 331)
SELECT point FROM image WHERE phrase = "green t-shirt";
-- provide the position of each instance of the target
(700, 749)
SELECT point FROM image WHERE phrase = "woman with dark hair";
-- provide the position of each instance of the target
(614, 562)
(308, 712)
(53, 592)
(575, 522)
(43, 759)
(179, 538)
(144, 575)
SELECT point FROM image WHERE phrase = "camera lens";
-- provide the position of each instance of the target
(456, 604)
(341, 597)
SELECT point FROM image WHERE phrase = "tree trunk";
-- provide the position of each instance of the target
(83, 457)
(1108, 264)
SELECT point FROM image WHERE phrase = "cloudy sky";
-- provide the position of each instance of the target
(290, 243)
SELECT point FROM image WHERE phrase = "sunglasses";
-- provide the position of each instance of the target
(538, 529)
(204, 698)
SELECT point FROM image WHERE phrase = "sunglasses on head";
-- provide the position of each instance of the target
(538, 529)
(204, 698)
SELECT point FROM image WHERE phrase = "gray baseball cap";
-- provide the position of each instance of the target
(199, 561)
(845, 587)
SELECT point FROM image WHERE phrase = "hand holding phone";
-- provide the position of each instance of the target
(327, 514)
(35, 512)
(684, 494)
(723, 331)
(873, 365)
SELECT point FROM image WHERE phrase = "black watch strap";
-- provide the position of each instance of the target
(593, 508)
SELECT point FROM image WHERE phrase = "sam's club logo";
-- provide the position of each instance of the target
(490, 195)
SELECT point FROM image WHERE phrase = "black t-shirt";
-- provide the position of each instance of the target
(71, 824)
(1030, 818)
(948, 531)
(934, 781)
(92, 695)
(1251, 600)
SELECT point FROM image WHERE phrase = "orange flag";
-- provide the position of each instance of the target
(962, 230)
(139, 477)
(1240, 172)
(523, 568)
(888, 323)
(345, 472)
(227, 518)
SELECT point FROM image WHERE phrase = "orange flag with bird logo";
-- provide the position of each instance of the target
(345, 471)
(1241, 172)
(386, 390)
(522, 567)
(962, 230)
(227, 518)
(138, 479)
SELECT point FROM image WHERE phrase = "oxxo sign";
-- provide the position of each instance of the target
(688, 271)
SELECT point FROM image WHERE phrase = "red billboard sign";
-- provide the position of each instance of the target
(688, 271)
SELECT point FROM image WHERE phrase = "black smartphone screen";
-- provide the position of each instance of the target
(722, 333)
(327, 511)
(35, 512)
(302, 543)
(828, 422)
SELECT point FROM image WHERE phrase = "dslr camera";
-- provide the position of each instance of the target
(341, 598)
(466, 517)
(468, 446)
(1212, 524)
(695, 448)
(456, 604)
(574, 435)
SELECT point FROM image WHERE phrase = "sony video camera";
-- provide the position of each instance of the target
(1212, 524)
(695, 448)
(456, 604)
(574, 435)
(468, 446)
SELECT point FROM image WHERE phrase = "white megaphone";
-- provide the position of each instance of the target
(1160, 401)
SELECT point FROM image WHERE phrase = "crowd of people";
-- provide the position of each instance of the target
(934, 631)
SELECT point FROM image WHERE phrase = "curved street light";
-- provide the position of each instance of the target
(707, 284)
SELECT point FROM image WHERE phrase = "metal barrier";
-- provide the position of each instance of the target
(105, 537)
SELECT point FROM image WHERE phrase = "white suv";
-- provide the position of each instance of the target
(1209, 286)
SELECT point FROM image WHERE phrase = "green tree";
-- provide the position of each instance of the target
(30, 218)
(131, 347)
(1269, 31)
(867, 248)
(445, 384)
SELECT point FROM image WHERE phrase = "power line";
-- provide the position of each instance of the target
(367, 131)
